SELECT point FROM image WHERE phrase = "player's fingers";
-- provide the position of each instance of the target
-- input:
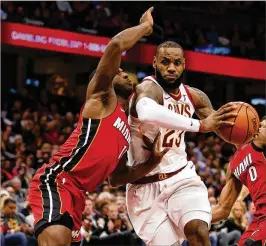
(220, 110)
(165, 151)
(222, 107)
(227, 108)
(230, 107)
(230, 115)
(150, 9)
(162, 153)
(230, 104)
(227, 115)
(156, 143)
(227, 123)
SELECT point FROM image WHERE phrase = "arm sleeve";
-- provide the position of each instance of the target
(150, 111)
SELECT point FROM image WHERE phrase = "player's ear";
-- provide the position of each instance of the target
(154, 62)
(184, 63)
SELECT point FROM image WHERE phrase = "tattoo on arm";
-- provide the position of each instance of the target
(149, 89)
(204, 106)
(146, 89)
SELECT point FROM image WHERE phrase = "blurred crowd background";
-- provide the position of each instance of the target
(186, 23)
(41, 100)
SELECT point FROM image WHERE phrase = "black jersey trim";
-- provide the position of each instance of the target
(255, 147)
(88, 132)
(50, 195)
(48, 187)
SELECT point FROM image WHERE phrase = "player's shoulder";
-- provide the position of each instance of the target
(195, 92)
(149, 85)
(236, 156)
(193, 89)
(148, 81)
(199, 98)
(255, 148)
(241, 152)
(250, 147)
(241, 149)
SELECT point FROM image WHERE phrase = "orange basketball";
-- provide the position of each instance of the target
(246, 125)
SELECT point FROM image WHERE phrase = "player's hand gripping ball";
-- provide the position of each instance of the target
(246, 125)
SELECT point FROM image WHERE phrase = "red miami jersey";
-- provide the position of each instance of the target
(249, 166)
(92, 151)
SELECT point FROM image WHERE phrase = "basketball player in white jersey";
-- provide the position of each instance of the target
(170, 204)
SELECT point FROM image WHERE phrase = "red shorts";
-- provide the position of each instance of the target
(55, 199)
(256, 231)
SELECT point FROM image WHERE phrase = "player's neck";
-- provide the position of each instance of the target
(259, 144)
(124, 103)
(174, 91)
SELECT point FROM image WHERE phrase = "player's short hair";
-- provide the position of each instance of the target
(92, 74)
(168, 44)
(263, 118)
(9, 200)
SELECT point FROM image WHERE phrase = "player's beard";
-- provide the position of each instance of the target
(121, 91)
(167, 85)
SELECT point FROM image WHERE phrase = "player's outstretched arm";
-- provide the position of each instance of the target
(243, 194)
(124, 174)
(110, 62)
(227, 199)
(148, 109)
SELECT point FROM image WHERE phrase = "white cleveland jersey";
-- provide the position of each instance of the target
(142, 133)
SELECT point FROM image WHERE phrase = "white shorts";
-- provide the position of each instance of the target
(159, 211)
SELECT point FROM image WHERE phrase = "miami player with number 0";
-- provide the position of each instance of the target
(247, 167)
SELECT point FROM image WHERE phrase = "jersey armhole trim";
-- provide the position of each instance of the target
(255, 147)
(190, 96)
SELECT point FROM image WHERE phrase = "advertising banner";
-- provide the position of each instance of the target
(89, 45)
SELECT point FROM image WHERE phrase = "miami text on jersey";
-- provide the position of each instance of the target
(243, 165)
(122, 127)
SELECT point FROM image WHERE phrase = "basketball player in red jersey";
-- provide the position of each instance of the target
(93, 150)
(248, 167)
